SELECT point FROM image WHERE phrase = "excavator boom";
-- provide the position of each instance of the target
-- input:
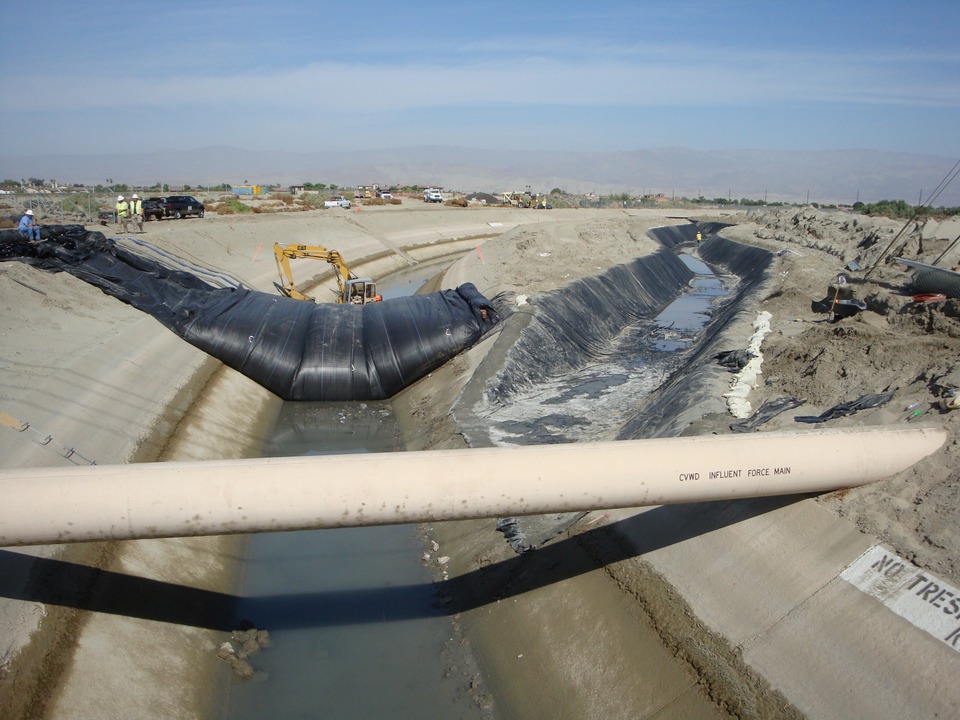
(351, 288)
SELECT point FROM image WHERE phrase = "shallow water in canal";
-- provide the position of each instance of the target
(351, 612)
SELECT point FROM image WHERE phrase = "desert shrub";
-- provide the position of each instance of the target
(900, 209)
(285, 198)
(258, 209)
(457, 202)
(395, 201)
(232, 206)
(313, 202)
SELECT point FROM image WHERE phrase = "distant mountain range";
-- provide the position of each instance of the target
(829, 176)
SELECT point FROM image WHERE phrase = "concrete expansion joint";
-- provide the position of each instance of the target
(746, 643)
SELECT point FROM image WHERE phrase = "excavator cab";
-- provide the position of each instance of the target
(360, 291)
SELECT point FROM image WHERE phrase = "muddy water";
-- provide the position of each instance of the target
(353, 615)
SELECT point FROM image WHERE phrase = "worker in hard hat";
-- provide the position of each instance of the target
(136, 212)
(123, 212)
(29, 229)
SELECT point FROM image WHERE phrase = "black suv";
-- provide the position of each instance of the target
(175, 206)
(180, 206)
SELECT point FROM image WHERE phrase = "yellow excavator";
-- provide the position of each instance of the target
(353, 289)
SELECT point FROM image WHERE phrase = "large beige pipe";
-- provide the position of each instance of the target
(39, 506)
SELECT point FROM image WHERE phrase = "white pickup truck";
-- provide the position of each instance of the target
(338, 201)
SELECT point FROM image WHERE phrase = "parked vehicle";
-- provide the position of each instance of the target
(432, 195)
(337, 201)
(154, 207)
(181, 206)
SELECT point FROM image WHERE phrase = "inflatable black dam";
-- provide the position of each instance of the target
(296, 349)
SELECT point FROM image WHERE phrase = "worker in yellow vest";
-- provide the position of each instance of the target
(136, 212)
(123, 212)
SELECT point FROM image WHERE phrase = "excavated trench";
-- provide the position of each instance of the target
(353, 609)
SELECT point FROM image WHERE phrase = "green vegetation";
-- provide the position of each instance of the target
(232, 206)
(80, 204)
(902, 209)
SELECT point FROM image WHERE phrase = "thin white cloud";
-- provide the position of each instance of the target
(746, 78)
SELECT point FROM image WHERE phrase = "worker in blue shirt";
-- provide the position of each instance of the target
(28, 227)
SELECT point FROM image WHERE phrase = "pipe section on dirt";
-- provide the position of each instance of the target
(60, 505)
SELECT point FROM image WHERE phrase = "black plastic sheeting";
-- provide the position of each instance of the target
(296, 349)
(933, 279)
(577, 323)
(864, 402)
(663, 416)
(734, 360)
(767, 412)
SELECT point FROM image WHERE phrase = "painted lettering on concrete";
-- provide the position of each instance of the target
(916, 595)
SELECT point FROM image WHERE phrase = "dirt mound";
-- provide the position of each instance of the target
(895, 344)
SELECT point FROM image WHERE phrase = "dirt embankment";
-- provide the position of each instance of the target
(895, 344)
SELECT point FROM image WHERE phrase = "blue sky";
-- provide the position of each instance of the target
(93, 77)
